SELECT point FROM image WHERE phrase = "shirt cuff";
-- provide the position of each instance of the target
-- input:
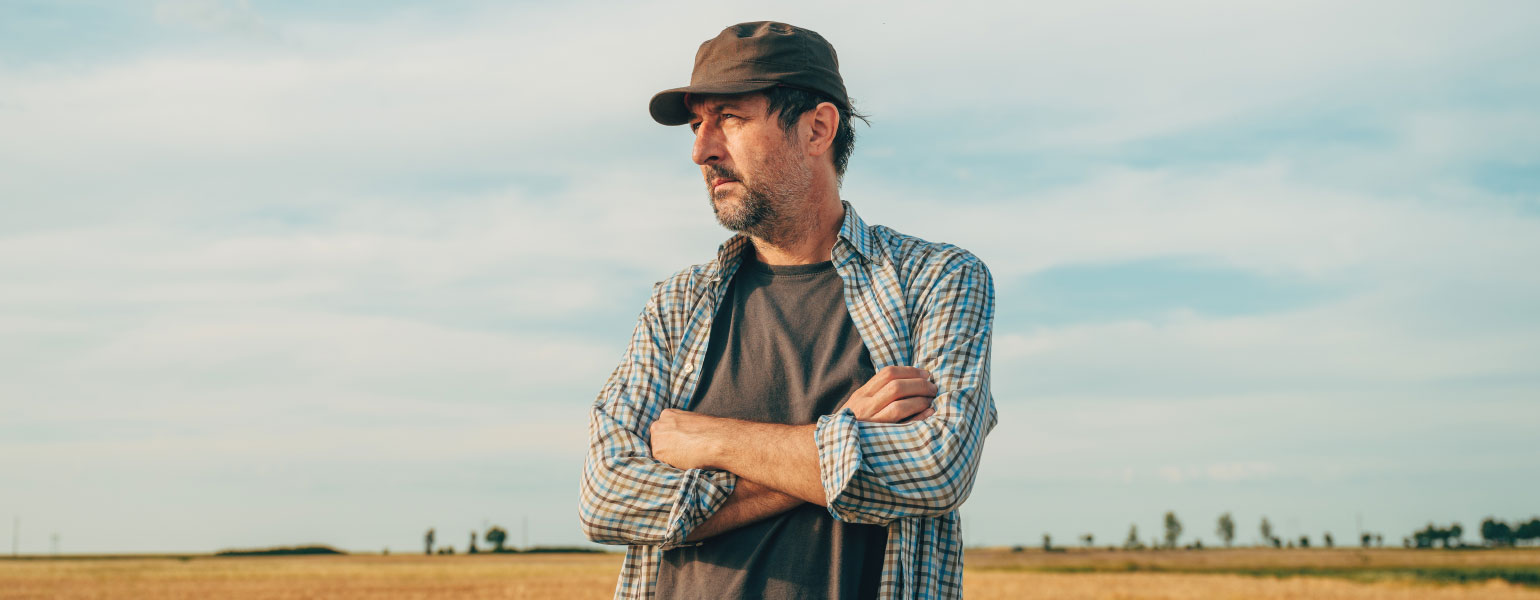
(701, 493)
(838, 438)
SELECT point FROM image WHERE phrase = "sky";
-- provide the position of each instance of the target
(276, 273)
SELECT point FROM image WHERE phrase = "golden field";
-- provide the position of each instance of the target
(1174, 575)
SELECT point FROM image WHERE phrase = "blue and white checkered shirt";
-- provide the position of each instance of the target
(915, 303)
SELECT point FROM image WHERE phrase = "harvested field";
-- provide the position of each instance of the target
(1174, 575)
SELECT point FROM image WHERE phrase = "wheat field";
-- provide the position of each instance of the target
(991, 574)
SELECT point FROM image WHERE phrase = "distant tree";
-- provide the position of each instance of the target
(1047, 542)
(1432, 535)
(1364, 539)
(496, 536)
(1132, 543)
(1267, 533)
(428, 539)
(1087, 539)
(1326, 539)
(1379, 540)
(1424, 538)
(1226, 529)
(1527, 531)
(472, 548)
(1496, 533)
(1304, 541)
(1173, 529)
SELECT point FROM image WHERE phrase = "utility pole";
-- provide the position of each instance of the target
(526, 532)
(55, 543)
(15, 530)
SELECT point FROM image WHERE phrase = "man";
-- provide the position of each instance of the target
(802, 416)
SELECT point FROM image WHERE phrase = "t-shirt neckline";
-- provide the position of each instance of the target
(751, 262)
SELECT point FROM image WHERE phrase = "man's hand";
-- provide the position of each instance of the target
(687, 440)
(895, 394)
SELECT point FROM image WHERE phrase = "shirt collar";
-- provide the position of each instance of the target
(853, 233)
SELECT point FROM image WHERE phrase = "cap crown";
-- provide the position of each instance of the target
(771, 52)
(754, 56)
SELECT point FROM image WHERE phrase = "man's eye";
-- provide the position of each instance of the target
(729, 116)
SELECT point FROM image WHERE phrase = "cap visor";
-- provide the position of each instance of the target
(667, 107)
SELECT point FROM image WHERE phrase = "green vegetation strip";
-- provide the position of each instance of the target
(1518, 575)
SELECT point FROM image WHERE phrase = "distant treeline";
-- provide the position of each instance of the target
(283, 551)
(1494, 532)
(497, 536)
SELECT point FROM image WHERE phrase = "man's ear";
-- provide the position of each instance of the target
(823, 121)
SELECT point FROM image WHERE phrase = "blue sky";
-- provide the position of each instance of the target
(274, 273)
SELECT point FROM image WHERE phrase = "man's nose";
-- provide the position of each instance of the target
(708, 148)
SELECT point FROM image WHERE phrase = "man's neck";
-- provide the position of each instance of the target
(817, 245)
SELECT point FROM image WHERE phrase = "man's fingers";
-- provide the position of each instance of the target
(903, 372)
(901, 409)
(903, 388)
(893, 373)
(925, 414)
(887, 386)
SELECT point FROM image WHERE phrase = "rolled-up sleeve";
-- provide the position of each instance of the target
(626, 496)
(879, 472)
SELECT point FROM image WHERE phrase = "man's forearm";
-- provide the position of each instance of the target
(783, 457)
(748, 503)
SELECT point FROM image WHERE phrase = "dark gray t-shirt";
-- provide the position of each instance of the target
(783, 349)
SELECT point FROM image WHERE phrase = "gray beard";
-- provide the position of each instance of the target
(755, 213)
(768, 212)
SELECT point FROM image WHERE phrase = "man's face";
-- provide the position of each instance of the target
(756, 175)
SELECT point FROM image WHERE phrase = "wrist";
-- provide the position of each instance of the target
(717, 444)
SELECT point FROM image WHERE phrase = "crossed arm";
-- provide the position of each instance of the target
(905, 445)
(777, 465)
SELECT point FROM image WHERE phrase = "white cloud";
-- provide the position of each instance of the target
(1266, 218)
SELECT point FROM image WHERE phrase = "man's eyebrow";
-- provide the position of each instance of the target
(720, 106)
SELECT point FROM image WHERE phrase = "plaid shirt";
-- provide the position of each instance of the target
(914, 303)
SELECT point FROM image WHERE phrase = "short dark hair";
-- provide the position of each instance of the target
(791, 103)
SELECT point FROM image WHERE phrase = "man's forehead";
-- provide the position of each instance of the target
(713, 103)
